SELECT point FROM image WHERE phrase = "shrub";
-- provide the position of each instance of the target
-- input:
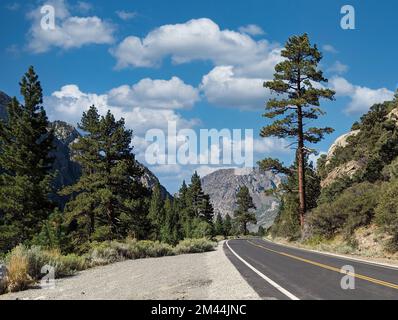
(114, 251)
(18, 270)
(194, 246)
(355, 207)
(387, 213)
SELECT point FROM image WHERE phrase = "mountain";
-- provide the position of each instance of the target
(223, 185)
(68, 170)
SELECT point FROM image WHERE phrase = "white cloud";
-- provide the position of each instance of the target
(83, 6)
(338, 68)
(241, 63)
(70, 31)
(14, 6)
(222, 87)
(329, 48)
(362, 98)
(252, 29)
(198, 39)
(69, 103)
(156, 94)
(126, 15)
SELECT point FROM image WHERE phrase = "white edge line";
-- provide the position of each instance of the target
(336, 255)
(271, 282)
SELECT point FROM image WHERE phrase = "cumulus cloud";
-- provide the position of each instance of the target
(156, 94)
(252, 29)
(329, 48)
(14, 6)
(362, 98)
(222, 87)
(338, 68)
(197, 39)
(241, 64)
(126, 15)
(70, 102)
(69, 32)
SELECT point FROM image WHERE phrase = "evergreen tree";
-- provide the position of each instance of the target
(219, 225)
(185, 210)
(156, 211)
(243, 215)
(297, 80)
(25, 165)
(261, 231)
(108, 196)
(53, 232)
(227, 227)
(286, 223)
(170, 229)
(200, 201)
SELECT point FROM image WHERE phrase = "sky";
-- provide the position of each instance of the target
(200, 64)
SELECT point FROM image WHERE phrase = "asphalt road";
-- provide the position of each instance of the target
(283, 273)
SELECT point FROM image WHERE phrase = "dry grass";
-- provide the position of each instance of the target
(24, 264)
(18, 277)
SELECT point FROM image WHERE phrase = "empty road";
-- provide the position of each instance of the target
(280, 272)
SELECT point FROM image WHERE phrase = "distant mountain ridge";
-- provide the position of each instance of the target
(223, 185)
(70, 171)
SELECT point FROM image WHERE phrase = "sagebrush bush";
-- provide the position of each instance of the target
(387, 213)
(18, 277)
(25, 264)
(194, 246)
(114, 251)
(354, 208)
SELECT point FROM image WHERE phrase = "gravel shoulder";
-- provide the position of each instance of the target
(204, 276)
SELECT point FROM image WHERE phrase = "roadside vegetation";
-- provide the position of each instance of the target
(353, 211)
(24, 264)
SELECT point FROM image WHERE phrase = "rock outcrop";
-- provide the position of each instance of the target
(342, 142)
(223, 185)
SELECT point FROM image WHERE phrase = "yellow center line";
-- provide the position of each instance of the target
(324, 266)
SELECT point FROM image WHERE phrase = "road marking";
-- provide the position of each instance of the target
(335, 255)
(271, 282)
(325, 266)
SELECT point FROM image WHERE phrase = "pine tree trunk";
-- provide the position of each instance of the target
(301, 167)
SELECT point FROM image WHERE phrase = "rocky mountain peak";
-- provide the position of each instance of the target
(223, 185)
(64, 132)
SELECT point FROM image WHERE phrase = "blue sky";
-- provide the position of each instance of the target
(200, 63)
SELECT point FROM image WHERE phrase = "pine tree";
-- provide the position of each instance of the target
(25, 165)
(243, 215)
(297, 80)
(108, 202)
(170, 229)
(200, 201)
(185, 209)
(156, 211)
(286, 223)
(227, 227)
(219, 225)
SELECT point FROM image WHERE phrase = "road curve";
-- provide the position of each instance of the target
(280, 272)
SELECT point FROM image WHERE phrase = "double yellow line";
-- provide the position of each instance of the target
(325, 266)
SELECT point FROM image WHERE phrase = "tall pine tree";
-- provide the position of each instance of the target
(298, 81)
(25, 165)
(107, 202)
(244, 214)
(156, 213)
